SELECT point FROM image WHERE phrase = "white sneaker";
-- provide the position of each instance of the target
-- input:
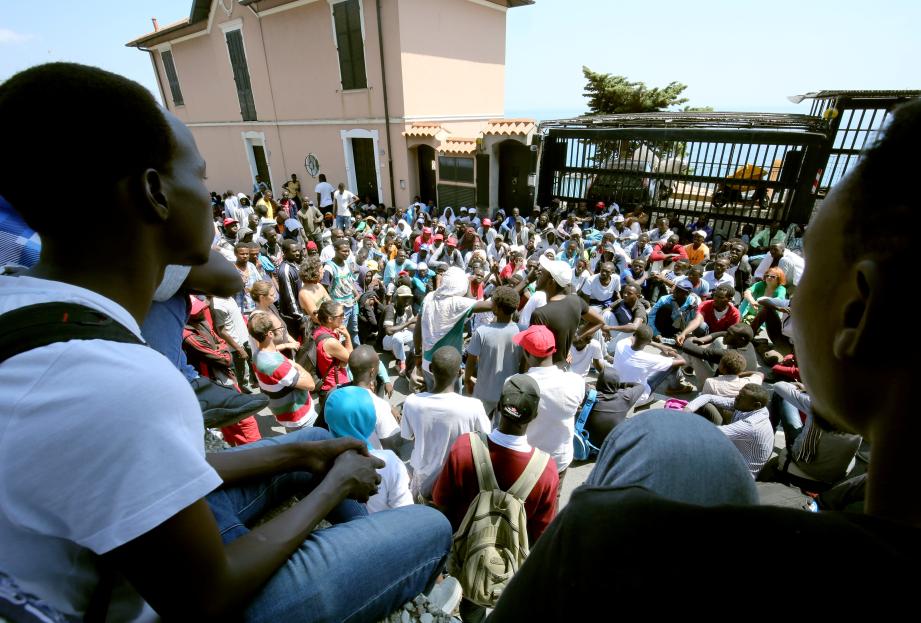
(446, 595)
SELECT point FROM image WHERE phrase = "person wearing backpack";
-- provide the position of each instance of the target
(514, 468)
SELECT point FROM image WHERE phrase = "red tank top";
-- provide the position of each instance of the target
(329, 369)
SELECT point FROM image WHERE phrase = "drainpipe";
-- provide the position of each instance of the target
(380, 39)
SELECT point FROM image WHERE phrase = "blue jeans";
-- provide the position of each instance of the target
(671, 378)
(361, 569)
(350, 320)
(679, 456)
(343, 222)
(162, 329)
(787, 416)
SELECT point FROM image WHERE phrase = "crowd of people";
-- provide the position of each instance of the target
(510, 334)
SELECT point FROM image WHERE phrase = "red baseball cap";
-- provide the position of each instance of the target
(311, 245)
(426, 230)
(439, 237)
(487, 222)
(452, 241)
(600, 205)
(371, 236)
(228, 221)
(536, 340)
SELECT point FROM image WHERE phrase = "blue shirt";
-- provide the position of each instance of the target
(680, 315)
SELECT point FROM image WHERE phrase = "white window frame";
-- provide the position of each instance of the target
(251, 139)
(364, 44)
(347, 136)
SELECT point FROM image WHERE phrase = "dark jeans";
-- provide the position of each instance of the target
(244, 374)
(361, 569)
(771, 319)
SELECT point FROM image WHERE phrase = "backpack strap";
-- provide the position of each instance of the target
(42, 324)
(590, 398)
(531, 474)
(485, 475)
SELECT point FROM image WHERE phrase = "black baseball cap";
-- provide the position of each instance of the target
(520, 397)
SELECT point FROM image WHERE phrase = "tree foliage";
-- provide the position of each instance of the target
(609, 94)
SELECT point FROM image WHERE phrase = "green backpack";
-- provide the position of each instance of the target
(492, 541)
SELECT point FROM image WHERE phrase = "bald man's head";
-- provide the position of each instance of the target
(363, 363)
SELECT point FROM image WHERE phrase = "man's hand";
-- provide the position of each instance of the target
(318, 457)
(243, 354)
(388, 389)
(356, 474)
(679, 339)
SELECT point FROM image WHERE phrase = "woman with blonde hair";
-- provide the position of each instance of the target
(312, 293)
(263, 293)
(773, 286)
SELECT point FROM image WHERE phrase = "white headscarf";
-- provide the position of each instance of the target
(445, 307)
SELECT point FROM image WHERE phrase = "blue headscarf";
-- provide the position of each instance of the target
(349, 412)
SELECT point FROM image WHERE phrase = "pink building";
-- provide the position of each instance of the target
(392, 97)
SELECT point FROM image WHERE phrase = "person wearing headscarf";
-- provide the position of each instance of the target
(613, 401)
(349, 412)
(442, 317)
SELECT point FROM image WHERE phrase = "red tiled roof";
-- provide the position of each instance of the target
(504, 127)
(423, 129)
(455, 145)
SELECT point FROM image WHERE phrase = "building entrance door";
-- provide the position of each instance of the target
(426, 158)
(365, 163)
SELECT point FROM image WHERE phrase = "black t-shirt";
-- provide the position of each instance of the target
(562, 317)
(624, 550)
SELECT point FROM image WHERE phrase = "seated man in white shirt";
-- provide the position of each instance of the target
(585, 355)
(634, 365)
(731, 376)
(561, 395)
(749, 429)
(434, 420)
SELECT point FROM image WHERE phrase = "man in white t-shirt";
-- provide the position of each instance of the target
(634, 365)
(436, 419)
(324, 192)
(102, 460)
(230, 326)
(584, 355)
(599, 290)
(561, 394)
(344, 200)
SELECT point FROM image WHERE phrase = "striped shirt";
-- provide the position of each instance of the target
(751, 432)
(277, 376)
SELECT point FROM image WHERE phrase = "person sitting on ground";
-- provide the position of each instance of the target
(705, 353)
(364, 364)
(586, 355)
(510, 452)
(284, 381)
(668, 251)
(767, 237)
(634, 365)
(434, 420)
(492, 356)
(789, 262)
(147, 498)
(660, 232)
(698, 253)
(623, 317)
(716, 314)
(563, 312)
(673, 312)
(637, 275)
(601, 289)
(561, 394)
(749, 428)
(398, 327)
(816, 455)
(731, 376)
(772, 286)
(613, 401)
(350, 412)
(718, 275)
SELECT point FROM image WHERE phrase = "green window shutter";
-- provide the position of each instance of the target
(347, 19)
(241, 74)
(482, 180)
(170, 68)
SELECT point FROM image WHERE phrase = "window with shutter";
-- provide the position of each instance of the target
(167, 57)
(347, 20)
(241, 74)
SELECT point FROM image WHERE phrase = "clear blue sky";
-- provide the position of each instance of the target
(732, 55)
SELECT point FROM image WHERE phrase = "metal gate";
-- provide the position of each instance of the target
(735, 168)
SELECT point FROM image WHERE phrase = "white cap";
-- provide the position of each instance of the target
(559, 270)
(619, 219)
(701, 233)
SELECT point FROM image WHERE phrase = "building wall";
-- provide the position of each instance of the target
(453, 59)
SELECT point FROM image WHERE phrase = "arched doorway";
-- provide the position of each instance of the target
(514, 166)
(426, 160)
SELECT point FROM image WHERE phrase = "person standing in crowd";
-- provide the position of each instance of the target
(339, 280)
(324, 191)
(344, 200)
(492, 355)
(289, 287)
